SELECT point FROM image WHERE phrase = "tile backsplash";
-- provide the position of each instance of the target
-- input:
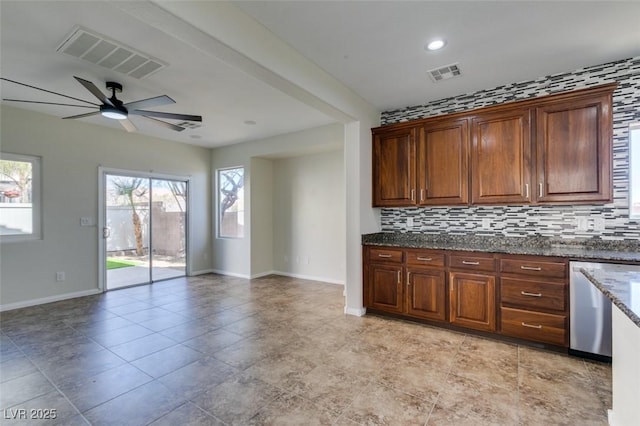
(608, 221)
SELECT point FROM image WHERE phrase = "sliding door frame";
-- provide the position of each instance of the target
(102, 216)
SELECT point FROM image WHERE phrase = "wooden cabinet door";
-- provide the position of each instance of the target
(394, 168)
(574, 150)
(426, 293)
(472, 300)
(385, 287)
(443, 177)
(500, 157)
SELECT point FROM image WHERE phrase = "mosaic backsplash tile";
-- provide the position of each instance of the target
(609, 221)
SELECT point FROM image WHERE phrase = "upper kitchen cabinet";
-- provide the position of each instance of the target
(501, 157)
(550, 150)
(394, 168)
(573, 149)
(443, 159)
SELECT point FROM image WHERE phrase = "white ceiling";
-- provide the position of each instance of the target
(373, 48)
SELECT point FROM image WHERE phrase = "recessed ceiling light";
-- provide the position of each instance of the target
(250, 123)
(436, 44)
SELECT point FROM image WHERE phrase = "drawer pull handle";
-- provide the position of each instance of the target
(425, 258)
(466, 262)
(524, 324)
(384, 255)
(531, 268)
(525, 293)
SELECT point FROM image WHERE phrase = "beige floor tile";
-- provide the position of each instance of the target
(294, 411)
(380, 405)
(238, 399)
(277, 350)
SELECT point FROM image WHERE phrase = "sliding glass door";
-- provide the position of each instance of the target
(144, 229)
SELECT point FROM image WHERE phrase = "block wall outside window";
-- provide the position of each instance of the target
(20, 184)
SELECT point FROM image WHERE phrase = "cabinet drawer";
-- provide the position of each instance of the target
(425, 258)
(537, 326)
(538, 268)
(385, 255)
(533, 294)
(472, 262)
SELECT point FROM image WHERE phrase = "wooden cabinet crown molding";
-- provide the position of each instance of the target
(603, 89)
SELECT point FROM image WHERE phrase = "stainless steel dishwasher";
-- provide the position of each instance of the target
(590, 318)
(591, 312)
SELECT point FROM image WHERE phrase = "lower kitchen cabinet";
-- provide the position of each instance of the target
(537, 326)
(525, 297)
(426, 294)
(385, 288)
(472, 300)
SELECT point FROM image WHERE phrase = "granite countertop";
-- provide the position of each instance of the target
(622, 287)
(593, 249)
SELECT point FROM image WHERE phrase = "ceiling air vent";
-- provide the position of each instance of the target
(444, 73)
(98, 49)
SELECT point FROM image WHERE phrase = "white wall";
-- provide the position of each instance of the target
(309, 217)
(235, 256)
(71, 153)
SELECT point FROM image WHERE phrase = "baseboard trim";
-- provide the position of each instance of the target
(202, 272)
(359, 312)
(230, 274)
(264, 274)
(309, 277)
(49, 299)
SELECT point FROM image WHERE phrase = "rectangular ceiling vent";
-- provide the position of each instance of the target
(98, 49)
(444, 73)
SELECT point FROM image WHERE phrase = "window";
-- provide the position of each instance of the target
(19, 197)
(231, 203)
(634, 171)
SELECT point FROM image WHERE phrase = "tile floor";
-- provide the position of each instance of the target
(215, 350)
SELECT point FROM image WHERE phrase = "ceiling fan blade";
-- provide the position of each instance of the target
(48, 103)
(128, 125)
(89, 114)
(48, 91)
(169, 115)
(164, 124)
(94, 90)
(149, 103)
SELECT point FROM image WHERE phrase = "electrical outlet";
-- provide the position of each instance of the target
(60, 276)
(582, 224)
(85, 221)
(598, 224)
(306, 260)
(409, 222)
(486, 223)
(286, 259)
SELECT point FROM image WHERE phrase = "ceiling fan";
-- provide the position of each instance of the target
(114, 108)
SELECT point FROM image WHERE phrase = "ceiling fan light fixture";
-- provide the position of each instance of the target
(112, 112)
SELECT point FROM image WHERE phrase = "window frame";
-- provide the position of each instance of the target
(218, 203)
(36, 197)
